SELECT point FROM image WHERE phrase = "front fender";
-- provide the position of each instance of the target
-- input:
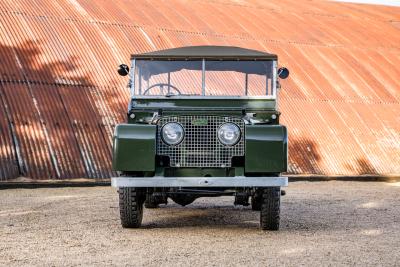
(134, 147)
(266, 148)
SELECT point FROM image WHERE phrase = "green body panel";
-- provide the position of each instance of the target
(265, 142)
(134, 147)
(266, 148)
(196, 104)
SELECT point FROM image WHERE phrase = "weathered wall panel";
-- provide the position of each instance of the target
(61, 97)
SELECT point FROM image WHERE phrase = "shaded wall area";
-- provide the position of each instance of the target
(52, 126)
(60, 96)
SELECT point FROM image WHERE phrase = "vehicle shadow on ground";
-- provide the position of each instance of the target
(174, 216)
(229, 216)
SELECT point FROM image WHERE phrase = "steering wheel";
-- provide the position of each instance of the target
(161, 88)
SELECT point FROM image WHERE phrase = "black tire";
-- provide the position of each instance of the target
(131, 207)
(270, 208)
(256, 203)
(150, 203)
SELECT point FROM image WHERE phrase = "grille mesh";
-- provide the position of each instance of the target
(200, 146)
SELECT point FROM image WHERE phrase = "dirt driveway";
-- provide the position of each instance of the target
(329, 223)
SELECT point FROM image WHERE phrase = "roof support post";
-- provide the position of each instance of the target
(132, 78)
(274, 77)
(274, 84)
(246, 81)
(169, 83)
(140, 81)
(203, 77)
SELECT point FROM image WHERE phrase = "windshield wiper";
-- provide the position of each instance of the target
(170, 95)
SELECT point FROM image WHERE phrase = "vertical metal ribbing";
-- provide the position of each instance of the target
(11, 150)
(338, 77)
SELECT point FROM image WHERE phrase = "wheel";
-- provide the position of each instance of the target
(270, 208)
(255, 203)
(242, 199)
(256, 200)
(182, 199)
(131, 206)
(154, 199)
(150, 202)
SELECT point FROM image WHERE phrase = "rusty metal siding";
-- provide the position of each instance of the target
(61, 96)
(8, 156)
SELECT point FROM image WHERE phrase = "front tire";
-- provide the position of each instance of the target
(270, 208)
(150, 202)
(256, 203)
(131, 206)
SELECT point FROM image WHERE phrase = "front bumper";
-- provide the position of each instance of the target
(238, 181)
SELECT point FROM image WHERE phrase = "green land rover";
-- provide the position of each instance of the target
(202, 121)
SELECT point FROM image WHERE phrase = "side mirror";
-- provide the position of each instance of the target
(283, 73)
(123, 69)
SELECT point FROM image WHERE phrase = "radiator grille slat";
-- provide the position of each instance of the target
(200, 147)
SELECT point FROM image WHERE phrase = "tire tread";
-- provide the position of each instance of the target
(130, 207)
(270, 208)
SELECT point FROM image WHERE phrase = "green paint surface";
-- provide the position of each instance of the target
(203, 104)
(134, 147)
(266, 148)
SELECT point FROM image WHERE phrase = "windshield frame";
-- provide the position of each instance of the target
(203, 95)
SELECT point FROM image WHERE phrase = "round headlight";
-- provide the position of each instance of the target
(172, 133)
(229, 134)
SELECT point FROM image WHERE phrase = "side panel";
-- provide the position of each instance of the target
(266, 148)
(134, 147)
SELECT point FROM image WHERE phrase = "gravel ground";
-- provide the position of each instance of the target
(322, 223)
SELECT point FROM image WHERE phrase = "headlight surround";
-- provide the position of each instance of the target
(229, 134)
(172, 133)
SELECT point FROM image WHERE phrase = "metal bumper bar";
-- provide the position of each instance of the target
(238, 181)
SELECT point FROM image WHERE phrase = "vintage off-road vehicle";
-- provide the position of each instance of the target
(202, 121)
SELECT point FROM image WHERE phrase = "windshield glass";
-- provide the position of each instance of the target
(204, 78)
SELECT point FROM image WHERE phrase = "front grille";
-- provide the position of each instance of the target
(200, 146)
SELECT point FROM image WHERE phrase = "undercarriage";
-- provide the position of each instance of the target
(150, 192)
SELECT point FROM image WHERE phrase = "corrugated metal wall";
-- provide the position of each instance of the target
(60, 96)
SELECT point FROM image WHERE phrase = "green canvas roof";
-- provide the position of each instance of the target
(208, 52)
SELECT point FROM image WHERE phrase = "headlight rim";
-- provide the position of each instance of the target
(239, 136)
(162, 134)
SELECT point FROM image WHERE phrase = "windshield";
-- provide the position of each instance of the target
(204, 78)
